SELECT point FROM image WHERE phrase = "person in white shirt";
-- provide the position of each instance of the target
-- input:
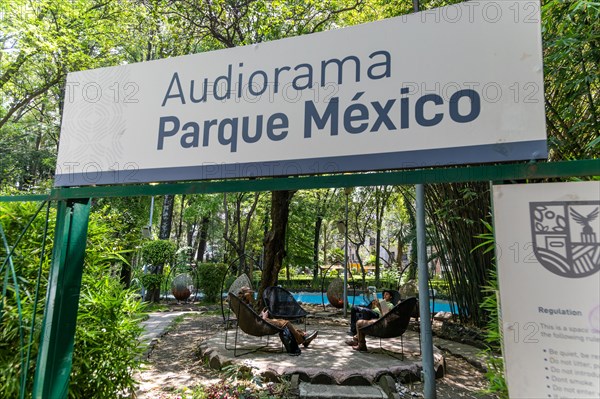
(359, 342)
(375, 310)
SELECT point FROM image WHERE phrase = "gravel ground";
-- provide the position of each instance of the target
(173, 364)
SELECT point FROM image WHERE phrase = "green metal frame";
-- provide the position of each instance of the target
(60, 315)
(459, 174)
(56, 347)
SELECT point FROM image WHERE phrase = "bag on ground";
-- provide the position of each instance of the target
(291, 346)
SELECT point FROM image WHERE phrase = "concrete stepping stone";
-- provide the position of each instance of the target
(320, 391)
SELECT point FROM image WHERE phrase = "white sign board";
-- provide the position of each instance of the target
(455, 85)
(548, 251)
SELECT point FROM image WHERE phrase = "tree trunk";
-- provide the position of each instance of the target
(180, 224)
(400, 254)
(125, 275)
(325, 245)
(166, 218)
(191, 229)
(203, 238)
(275, 238)
(362, 268)
(382, 195)
(153, 295)
(318, 224)
(377, 254)
(240, 228)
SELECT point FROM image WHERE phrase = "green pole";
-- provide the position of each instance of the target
(60, 315)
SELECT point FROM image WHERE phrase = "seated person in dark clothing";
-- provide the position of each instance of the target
(375, 310)
(246, 294)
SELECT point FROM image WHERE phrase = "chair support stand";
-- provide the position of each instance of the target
(250, 323)
(247, 350)
(392, 353)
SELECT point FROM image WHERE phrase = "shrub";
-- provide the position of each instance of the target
(152, 281)
(158, 252)
(210, 276)
(495, 363)
(106, 350)
(14, 322)
(442, 288)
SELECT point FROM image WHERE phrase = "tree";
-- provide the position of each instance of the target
(571, 78)
(244, 207)
(323, 198)
(410, 234)
(166, 217)
(398, 229)
(156, 254)
(359, 222)
(382, 196)
(456, 212)
(275, 238)
(41, 42)
(198, 214)
(125, 216)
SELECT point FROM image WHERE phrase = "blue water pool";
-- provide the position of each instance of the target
(315, 299)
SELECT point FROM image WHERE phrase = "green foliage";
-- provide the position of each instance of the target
(41, 42)
(240, 382)
(15, 323)
(336, 255)
(152, 281)
(390, 277)
(300, 232)
(210, 276)
(570, 33)
(158, 252)
(455, 211)
(106, 348)
(442, 288)
(182, 258)
(236, 372)
(495, 363)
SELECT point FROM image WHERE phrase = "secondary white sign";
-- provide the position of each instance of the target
(455, 85)
(548, 251)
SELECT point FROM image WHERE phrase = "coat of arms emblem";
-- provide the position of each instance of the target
(565, 236)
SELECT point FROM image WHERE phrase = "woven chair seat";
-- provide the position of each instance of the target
(335, 293)
(282, 304)
(241, 281)
(249, 321)
(394, 323)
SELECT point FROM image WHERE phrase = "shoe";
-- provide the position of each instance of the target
(352, 342)
(360, 348)
(309, 337)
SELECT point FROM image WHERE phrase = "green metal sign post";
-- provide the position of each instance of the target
(60, 315)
